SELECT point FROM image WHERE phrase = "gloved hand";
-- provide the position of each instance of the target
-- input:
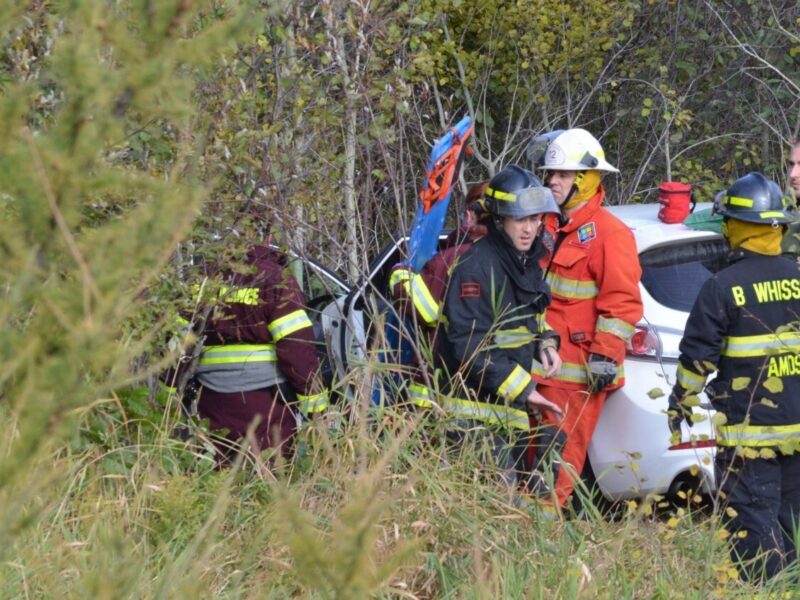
(601, 373)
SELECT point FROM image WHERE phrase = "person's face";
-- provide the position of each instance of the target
(470, 219)
(522, 232)
(794, 170)
(560, 183)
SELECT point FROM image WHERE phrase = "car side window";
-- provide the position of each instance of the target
(316, 285)
(674, 274)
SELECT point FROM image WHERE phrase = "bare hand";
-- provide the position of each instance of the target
(537, 402)
(550, 360)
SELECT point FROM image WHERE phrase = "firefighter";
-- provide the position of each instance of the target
(791, 240)
(493, 311)
(744, 327)
(593, 272)
(418, 296)
(259, 364)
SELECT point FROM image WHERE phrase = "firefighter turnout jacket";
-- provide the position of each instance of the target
(494, 325)
(262, 335)
(594, 280)
(744, 325)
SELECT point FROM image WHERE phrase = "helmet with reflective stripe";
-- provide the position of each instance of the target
(755, 199)
(517, 193)
(576, 150)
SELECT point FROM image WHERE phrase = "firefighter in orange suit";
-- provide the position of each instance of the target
(593, 272)
(259, 361)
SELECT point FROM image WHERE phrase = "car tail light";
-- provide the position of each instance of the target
(712, 443)
(644, 342)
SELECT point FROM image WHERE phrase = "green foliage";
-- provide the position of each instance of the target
(74, 275)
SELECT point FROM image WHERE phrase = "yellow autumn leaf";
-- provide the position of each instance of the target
(655, 393)
(731, 512)
(691, 400)
(719, 419)
(768, 403)
(740, 383)
(774, 385)
(767, 453)
(673, 523)
(694, 470)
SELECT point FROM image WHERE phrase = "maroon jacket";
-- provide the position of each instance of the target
(262, 309)
(245, 320)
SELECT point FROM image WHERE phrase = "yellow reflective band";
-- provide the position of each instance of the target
(399, 276)
(313, 403)
(514, 338)
(288, 324)
(761, 345)
(420, 395)
(238, 353)
(494, 414)
(541, 319)
(424, 302)
(689, 380)
(737, 201)
(416, 289)
(515, 383)
(577, 157)
(616, 327)
(758, 436)
(572, 373)
(571, 288)
(500, 195)
(775, 214)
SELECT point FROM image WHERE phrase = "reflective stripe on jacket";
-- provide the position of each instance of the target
(239, 367)
(459, 408)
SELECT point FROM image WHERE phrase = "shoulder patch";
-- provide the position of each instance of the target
(470, 289)
(587, 232)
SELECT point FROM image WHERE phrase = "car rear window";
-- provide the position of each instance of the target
(674, 274)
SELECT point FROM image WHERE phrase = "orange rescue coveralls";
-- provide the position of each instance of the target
(594, 279)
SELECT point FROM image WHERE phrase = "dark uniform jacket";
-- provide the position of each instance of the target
(494, 319)
(744, 324)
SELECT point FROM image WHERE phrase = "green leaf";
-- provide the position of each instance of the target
(719, 419)
(655, 393)
(768, 403)
(774, 385)
(740, 383)
(691, 400)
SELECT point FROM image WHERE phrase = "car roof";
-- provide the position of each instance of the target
(650, 232)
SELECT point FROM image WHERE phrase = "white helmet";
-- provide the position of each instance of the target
(576, 150)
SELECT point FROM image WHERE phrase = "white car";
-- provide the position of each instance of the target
(630, 454)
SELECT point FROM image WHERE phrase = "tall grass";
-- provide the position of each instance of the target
(373, 510)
